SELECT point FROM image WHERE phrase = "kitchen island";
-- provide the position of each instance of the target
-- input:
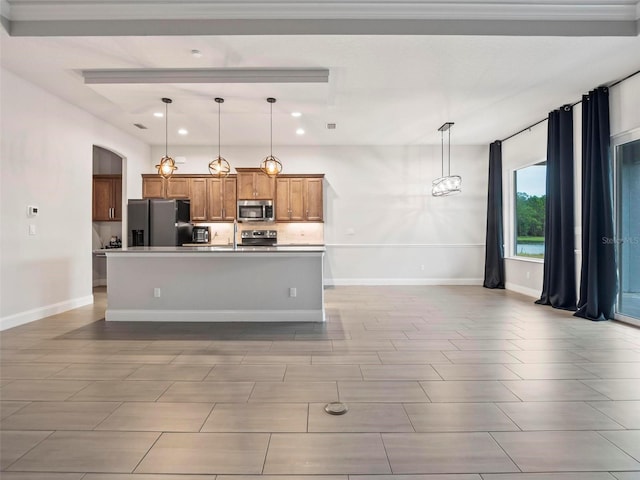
(215, 284)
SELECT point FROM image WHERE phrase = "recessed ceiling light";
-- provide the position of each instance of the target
(158, 114)
(183, 131)
(196, 53)
(296, 114)
(300, 131)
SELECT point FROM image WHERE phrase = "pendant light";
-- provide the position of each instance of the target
(271, 165)
(219, 167)
(167, 165)
(449, 184)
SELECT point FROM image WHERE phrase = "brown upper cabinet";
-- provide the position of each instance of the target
(107, 198)
(153, 186)
(299, 198)
(211, 199)
(254, 185)
(177, 187)
(222, 199)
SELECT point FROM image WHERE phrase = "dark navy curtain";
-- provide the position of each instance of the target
(494, 256)
(598, 277)
(559, 280)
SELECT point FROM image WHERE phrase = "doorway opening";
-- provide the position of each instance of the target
(107, 215)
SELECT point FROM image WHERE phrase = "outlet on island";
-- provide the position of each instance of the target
(293, 291)
(157, 293)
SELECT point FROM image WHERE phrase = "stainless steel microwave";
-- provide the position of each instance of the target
(255, 211)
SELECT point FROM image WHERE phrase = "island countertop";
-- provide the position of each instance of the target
(213, 249)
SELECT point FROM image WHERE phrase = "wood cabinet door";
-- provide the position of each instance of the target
(229, 199)
(102, 193)
(153, 187)
(177, 188)
(246, 189)
(198, 198)
(116, 199)
(313, 198)
(215, 199)
(283, 213)
(264, 186)
(296, 200)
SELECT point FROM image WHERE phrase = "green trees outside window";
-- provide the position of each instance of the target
(530, 188)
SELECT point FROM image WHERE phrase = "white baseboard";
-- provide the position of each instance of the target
(21, 318)
(100, 282)
(401, 281)
(529, 292)
(214, 315)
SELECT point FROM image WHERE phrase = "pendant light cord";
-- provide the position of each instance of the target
(218, 129)
(166, 129)
(271, 128)
(442, 153)
(449, 156)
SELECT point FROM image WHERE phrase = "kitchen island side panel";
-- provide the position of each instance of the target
(236, 287)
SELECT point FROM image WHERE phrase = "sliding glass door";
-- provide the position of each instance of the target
(628, 227)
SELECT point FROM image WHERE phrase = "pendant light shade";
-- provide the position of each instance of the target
(219, 167)
(167, 165)
(271, 165)
(449, 184)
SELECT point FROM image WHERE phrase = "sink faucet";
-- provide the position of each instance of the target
(235, 234)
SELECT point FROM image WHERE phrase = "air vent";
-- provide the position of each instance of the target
(140, 126)
(331, 126)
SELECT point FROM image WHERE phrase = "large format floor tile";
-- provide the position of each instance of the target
(14, 444)
(283, 392)
(41, 390)
(361, 417)
(468, 391)
(349, 453)
(157, 417)
(445, 453)
(257, 417)
(207, 392)
(59, 416)
(626, 413)
(557, 416)
(458, 417)
(210, 453)
(564, 451)
(438, 381)
(87, 452)
(396, 392)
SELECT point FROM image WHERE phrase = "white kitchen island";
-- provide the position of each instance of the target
(215, 284)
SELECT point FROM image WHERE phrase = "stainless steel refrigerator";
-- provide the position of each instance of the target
(159, 222)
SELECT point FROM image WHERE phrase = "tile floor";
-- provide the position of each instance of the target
(442, 383)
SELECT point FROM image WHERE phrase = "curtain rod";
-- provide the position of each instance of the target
(617, 82)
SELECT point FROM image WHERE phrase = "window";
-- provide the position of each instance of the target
(531, 193)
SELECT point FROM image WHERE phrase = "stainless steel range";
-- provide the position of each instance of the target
(264, 238)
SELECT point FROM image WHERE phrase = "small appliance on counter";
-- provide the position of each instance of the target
(259, 238)
(200, 234)
(255, 211)
(159, 222)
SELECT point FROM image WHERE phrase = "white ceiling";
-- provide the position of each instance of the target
(392, 89)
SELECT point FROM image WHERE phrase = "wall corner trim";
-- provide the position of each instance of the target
(21, 318)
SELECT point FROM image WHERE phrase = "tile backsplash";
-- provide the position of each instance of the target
(288, 233)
